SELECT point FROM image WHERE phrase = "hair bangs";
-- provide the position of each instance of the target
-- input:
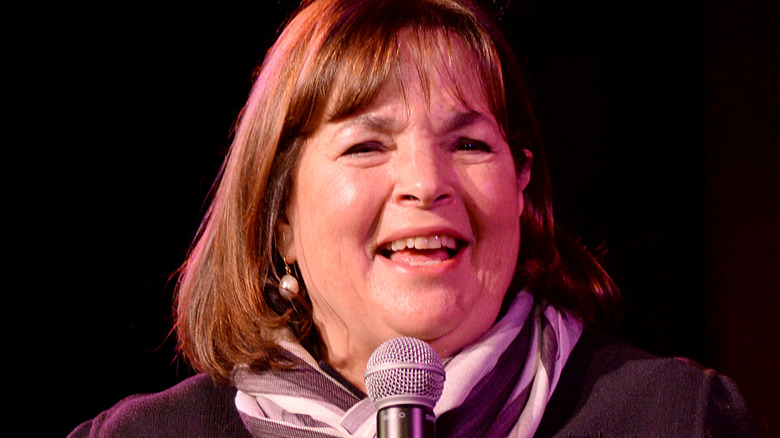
(365, 50)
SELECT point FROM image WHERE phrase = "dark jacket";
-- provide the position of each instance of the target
(607, 389)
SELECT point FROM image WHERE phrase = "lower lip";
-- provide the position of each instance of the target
(438, 268)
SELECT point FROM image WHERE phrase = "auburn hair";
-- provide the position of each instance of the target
(335, 55)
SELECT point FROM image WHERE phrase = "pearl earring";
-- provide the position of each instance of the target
(288, 287)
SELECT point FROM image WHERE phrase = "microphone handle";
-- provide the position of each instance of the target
(406, 421)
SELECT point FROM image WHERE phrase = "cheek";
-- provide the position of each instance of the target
(336, 204)
(496, 195)
(496, 216)
(323, 193)
(335, 212)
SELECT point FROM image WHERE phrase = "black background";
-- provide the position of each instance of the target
(661, 123)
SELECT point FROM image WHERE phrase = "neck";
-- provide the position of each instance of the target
(350, 371)
(351, 387)
(346, 366)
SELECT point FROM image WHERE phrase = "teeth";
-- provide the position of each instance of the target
(423, 242)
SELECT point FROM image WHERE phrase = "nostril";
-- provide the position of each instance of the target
(412, 199)
(424, 201)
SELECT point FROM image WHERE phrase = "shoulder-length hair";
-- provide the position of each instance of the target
(337, 54)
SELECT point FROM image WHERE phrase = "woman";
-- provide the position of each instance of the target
(387, 179)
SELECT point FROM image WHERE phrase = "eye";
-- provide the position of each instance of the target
(468, 145)
(364, 148)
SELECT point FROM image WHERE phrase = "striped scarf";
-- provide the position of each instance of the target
(496, 387)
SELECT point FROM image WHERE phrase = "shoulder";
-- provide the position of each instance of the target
(612, 388)
(197, 406)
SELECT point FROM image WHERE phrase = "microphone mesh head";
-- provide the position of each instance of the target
(404, 371)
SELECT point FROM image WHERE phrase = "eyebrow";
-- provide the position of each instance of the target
(372, 122)
(462, 119)
(381, 123)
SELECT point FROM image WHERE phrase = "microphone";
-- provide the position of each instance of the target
(404, 379)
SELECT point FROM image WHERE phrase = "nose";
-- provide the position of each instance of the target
(423, 177)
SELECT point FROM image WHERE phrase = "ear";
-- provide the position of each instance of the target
(523, 178)
(524, 174)
(285, 240)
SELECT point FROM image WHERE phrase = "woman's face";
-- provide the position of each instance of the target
(405, 220)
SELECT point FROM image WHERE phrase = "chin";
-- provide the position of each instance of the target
(446, 332)
(425, 313)
(441, 315)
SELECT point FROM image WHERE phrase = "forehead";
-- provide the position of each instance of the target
(433, 66)
(438, 89)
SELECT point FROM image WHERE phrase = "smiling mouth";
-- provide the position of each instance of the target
(422, 251)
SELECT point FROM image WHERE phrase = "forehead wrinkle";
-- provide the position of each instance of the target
(372, 122)
(457, 120)
(459, 117)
